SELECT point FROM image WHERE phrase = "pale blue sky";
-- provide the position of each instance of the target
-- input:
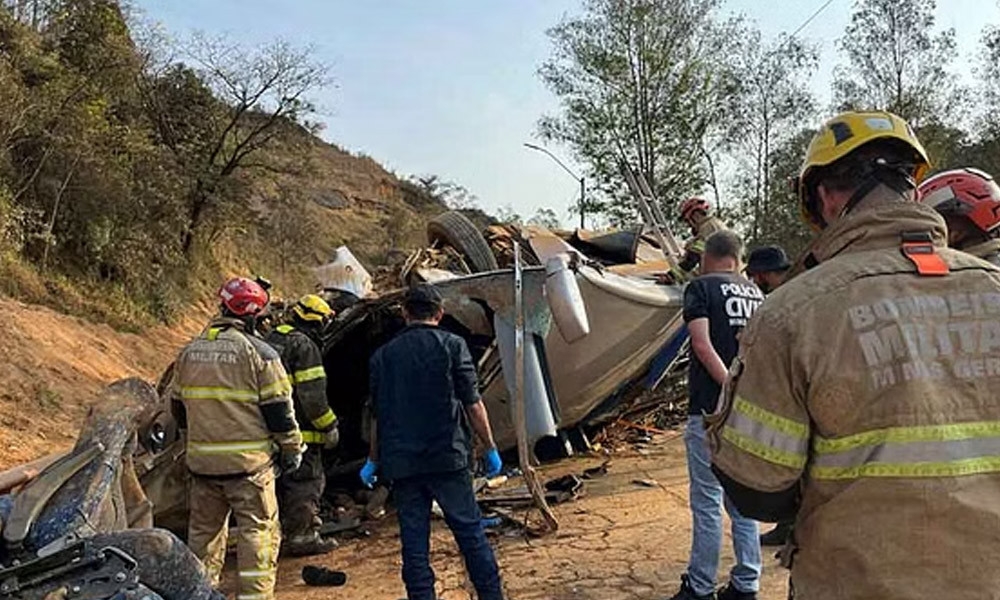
(449, 86)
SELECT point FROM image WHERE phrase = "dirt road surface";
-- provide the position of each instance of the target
(621, 541)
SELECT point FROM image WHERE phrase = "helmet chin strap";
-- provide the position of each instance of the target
(880, 173)
(249, 323)
(871, 182)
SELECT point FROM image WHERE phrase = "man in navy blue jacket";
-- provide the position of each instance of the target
(425, 399)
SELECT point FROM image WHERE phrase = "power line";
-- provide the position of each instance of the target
(811, 18)
(791, 38)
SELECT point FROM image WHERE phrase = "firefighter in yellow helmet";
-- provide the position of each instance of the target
(233, 397)
(299, 492)
(863, 399)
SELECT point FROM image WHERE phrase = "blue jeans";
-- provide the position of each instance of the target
(453, 492)
(707, 501)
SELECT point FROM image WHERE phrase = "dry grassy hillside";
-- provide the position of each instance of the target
(87, 334)
(57, 357)
(315, 197)
(55, 364)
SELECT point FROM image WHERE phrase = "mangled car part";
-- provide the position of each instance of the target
(66, 533)
(636, 325)
(91, 574)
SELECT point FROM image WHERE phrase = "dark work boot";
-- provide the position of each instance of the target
(777, 536)
(731, 593)
(686, 593)
(307, 544)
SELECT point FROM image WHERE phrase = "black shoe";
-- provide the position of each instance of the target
(777, 536)
(321, 576)
(731, 593)
(686, 593)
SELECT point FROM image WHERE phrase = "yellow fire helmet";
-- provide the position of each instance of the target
(844, 134)
(312, 308)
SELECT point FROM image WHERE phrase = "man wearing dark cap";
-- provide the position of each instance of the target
(767, 267)
(426, 400)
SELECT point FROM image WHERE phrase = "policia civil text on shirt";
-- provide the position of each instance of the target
(717, 306)
(233, 396)
(864, 396)
(426, 401)
(300, 492)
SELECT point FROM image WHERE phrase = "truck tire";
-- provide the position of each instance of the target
(454, 229)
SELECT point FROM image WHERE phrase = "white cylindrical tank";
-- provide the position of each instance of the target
(563, 294)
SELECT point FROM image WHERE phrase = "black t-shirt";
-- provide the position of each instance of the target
(728, 301)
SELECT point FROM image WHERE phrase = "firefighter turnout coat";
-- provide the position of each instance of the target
(234, 395)
(706, 228)
(988, 251)
(864, 401)
(695, 247)
(304, 363)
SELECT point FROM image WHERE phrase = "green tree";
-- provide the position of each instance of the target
(639, 78)
(896, 62)
(771, 102)
(219, 114)
(508, 216)
(289, 228)
(33, 13)
(989, 76)
(983, 144)
(545, 217)
(782, 222)
(453, 195)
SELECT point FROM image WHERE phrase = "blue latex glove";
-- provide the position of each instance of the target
(368, 471)
(493, 463)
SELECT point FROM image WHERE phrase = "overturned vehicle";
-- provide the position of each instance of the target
(597, 322)
(598, 329)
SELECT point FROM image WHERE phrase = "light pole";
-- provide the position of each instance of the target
(583, 185)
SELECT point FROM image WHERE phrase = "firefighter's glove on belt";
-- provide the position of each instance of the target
(291, 460)
(331, 438)
(368, 471)
(493, 463)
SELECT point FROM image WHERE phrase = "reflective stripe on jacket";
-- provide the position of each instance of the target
(304, 363)
(237, 401)
(865, 397)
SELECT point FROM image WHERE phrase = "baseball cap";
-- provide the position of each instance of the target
(423, 293)
(767, 259)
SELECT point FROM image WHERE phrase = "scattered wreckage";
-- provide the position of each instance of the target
(599, 330)
(575, 323)
(82, 528)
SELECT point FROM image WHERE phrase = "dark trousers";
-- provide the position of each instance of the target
(453, 492)
(299, 494)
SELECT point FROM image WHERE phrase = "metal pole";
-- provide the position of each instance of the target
(583, 185)
(520, 408)
(520, 417)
